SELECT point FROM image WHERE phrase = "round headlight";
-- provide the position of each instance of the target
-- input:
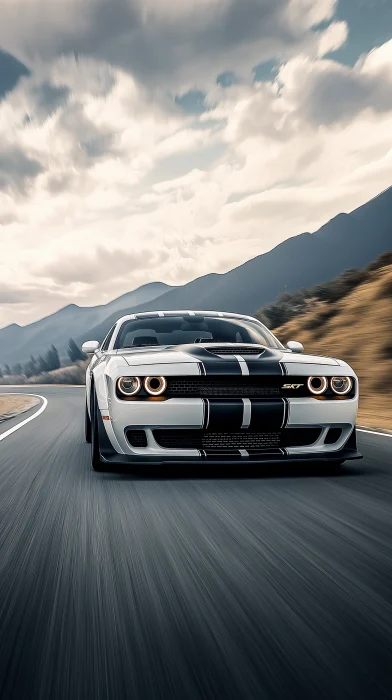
(317, 385)
(129, 386)
(341, 385)
(155, 385)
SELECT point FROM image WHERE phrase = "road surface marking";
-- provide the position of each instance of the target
(374, 432)
(27, 420)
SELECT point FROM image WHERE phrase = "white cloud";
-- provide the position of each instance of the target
(162, 41)
(106, 184)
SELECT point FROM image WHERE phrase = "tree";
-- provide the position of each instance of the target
(43, 365)
(17, 370)
(7, 371)
(31, 368)
(52, 358)
(1, 373)
(74, 352)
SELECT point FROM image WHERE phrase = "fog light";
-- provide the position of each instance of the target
(341, 385)
(129, 386)
(155, 386)
(317, 385)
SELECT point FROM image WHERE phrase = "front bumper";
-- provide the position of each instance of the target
(149, 416)
(154, 455)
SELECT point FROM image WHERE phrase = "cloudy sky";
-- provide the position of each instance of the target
(145, 140)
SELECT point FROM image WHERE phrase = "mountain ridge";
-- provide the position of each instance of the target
(348, 240)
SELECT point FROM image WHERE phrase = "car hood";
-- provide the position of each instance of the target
(180, 354)
(295, 358)
(150, 356)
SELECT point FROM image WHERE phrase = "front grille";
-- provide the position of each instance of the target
(224, 387)
(236, 350)
(203, 440)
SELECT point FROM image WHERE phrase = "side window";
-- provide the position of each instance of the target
(107, 340)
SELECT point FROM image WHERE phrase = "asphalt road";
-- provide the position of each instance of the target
(266, 584)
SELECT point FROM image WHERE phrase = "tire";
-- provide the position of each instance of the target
(96, 463)
(87, 425)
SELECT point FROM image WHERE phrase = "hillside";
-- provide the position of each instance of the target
(348, 240)
(358, 329)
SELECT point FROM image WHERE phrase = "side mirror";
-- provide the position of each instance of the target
(90, 346)
(294, 346)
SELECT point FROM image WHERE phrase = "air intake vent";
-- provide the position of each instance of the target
(236, 350)
(137, 438)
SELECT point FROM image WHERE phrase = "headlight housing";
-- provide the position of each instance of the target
(155, 386)
(341, 385)
(317, 385)
(129, 386)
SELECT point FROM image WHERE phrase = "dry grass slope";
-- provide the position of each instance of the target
(12, 405)
(357, 329)
(75, 374)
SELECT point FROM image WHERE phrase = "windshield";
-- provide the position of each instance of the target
(179, 330)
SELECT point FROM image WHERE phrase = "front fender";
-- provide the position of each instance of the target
(105, 369)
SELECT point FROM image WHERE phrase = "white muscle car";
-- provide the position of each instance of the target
(185, 386)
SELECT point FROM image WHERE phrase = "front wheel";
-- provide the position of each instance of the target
(96, 463)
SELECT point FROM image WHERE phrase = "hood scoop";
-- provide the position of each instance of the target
(235, 349)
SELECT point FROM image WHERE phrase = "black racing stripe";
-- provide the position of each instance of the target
(212, 364)
(267, 415)
(265, 454)
(228, 454)
(224, 414)
(262, 366)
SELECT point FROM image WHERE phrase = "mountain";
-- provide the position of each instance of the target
(17, 343)
(347, 241)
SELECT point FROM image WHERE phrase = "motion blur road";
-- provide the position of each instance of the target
(270, 583)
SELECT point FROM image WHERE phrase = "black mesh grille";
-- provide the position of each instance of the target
(224, 387)
(236, 350)
(201, 439)
(137, 438)
(299, 437)
(222, 441)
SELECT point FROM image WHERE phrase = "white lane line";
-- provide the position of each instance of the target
(374, 432)
(27, 420)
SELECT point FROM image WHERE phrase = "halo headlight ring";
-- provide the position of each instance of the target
(129, 386)
(341, 385)
(317, 385)
(155, 386)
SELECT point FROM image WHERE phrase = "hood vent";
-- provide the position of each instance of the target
(236, 350)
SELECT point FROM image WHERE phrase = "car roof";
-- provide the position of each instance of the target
(187, 312)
